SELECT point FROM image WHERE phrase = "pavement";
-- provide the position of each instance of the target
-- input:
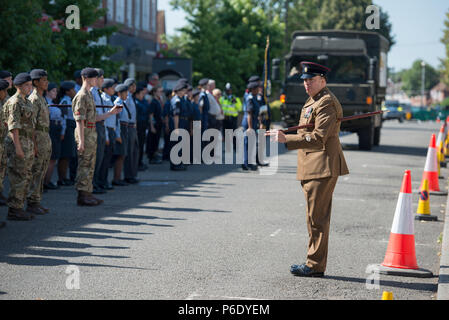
(217, 233)
(443, 280)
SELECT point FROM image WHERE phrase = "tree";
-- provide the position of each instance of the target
(445, 61)
(226, 39)
(34, 36)
(412, 78)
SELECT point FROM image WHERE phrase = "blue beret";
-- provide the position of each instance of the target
(196, 92)
(129, 82)
(100, 72)
(21, 78)
(253, 85)
(89, 73)
(37, 74)
(121, 88)
(4, 84)
(180, 86)
(312, 69)
(67, 85)
(5, 74)
(254, 79)
(108, 83)
(51, 86)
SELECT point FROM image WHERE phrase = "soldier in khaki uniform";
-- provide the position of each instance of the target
(20, 146)
(42, 141)
(84, 112)
(5, 76)
(4, 85)
(320, 163)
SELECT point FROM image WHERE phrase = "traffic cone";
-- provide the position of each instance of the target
(431, 169)
(400, 258)
(446, 145)
(440, 145)
(423, 212)
(386, 295)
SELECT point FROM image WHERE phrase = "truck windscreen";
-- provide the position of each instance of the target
(344, 69)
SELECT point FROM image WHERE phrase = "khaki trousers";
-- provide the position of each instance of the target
(318, 193)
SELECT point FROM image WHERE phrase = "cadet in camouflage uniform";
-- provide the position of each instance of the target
(85, 115)
(3, 131)
(20, 146)
(42, 140)
(7, 77)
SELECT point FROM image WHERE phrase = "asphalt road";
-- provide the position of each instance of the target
(215, 232)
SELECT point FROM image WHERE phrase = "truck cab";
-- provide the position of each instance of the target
(358, 77)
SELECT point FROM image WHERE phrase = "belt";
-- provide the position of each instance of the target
(101, 123)
(91, 125)
(26, 134)
(56, 122)
(131, 125)
(184, 118)
(42, 129)
(123, 123)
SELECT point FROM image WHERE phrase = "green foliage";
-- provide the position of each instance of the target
(31, 43)
(412, 78)
(227, 39)
(445, 61)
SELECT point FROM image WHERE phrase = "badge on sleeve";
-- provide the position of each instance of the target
(308, 138)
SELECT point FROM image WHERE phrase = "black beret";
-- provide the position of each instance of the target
(108, 83)
(89, 73)
(5, 74)
(253, 85)
(21, 78)
(67, 85)
(129, 82)
(312, 69)
(203, 82)
(121, 88)
(77, 74)
(100, 72)
(196, 92)
(4, 84)
(36, 74)
(51, 86)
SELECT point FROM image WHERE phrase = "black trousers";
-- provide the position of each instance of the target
(141, 136)
(101, 144)
(153, 141)
(107, 159)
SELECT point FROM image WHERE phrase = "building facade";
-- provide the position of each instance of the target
(137, 38)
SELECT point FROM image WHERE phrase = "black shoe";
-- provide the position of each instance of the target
(178, 168)
(132, 181)
(107, 186)
(98, 190)
(119, 183)
(266, 164)
(304, 271)
(50, 186)
(2, 224)
(156, 161)
(245, 167)
(69, 182)
(252, 167)
(63, 183)
(143, 167)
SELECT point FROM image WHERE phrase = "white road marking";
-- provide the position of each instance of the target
(274, 234)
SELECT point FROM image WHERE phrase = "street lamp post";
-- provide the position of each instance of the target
(423, 81)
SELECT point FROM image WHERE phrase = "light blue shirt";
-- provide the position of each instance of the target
(132, 108)
(56, 115)
(68, 114)
(123, 116)
(112, 121)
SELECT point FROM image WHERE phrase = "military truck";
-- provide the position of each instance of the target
(358, 77)
(170, 70)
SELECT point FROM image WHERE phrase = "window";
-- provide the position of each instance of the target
(110, 7)
(153, 16)
(129, 13)
(137, 12)
(120, 11)
(146, 15)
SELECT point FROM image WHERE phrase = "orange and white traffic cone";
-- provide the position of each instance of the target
(440, 146)
(431, 169)
(423, 211)
(400, 258)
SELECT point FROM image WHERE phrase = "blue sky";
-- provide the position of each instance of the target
(417, 25)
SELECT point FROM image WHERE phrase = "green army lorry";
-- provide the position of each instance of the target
(358, 77)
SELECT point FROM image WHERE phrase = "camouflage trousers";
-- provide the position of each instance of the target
(40, 166)
(3, 162)
(86, 161)
(19, 172)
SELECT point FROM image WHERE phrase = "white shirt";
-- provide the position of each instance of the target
(215, 108)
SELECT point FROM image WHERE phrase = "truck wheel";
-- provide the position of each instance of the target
(376, 141)
(366, 138)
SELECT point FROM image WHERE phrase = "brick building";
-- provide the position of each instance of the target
(138, 35)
